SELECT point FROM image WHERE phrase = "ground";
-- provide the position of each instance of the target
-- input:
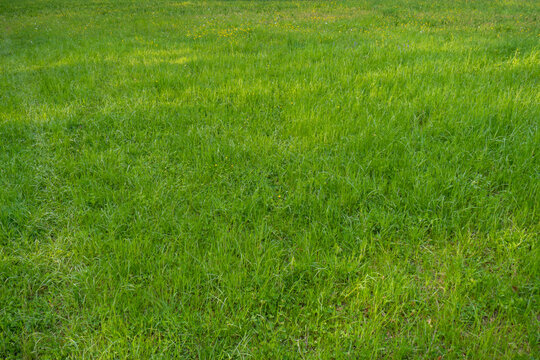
(269, 179)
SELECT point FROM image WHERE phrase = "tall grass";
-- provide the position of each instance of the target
(269, 179)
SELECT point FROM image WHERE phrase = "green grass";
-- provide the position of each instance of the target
(269, 179)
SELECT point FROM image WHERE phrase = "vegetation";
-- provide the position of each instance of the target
(269, 179)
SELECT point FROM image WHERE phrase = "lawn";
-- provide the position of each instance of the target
(269, 179)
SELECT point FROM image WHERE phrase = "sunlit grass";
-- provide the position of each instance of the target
(269, 179)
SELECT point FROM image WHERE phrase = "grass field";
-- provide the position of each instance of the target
(269, 179)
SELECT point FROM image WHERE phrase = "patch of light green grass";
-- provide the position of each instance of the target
(269, 179)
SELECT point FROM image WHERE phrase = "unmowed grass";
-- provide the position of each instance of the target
(269, 179)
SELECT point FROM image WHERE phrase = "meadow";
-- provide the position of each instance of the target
(276, 179)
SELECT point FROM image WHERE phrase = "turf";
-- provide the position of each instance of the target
(269, 179)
